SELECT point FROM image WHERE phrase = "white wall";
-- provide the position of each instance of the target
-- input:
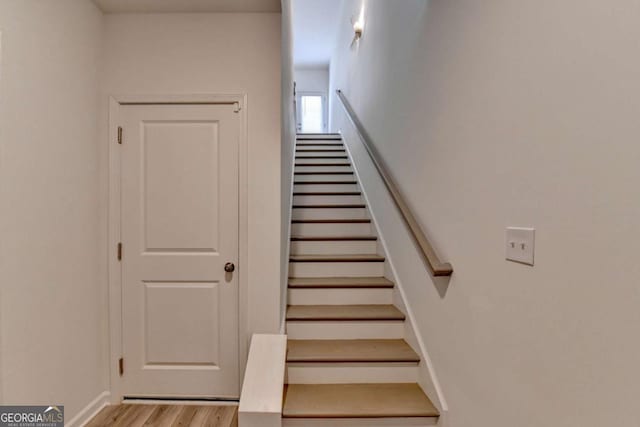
(312, 79)
(51, 319)
(59, 62)
(497, 113)
(216, 53)
(288, 145)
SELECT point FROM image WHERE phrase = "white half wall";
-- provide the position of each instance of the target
(53, 346)
(493, 114)
(263, 386)
(215, 53)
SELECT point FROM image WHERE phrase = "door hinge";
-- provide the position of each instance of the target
(121, 366)
(119, 134)
(119, 251)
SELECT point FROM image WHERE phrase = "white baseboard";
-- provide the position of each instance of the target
(90, 411)
(180, 402)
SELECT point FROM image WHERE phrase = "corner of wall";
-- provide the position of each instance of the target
(288, 133)
(90, 410)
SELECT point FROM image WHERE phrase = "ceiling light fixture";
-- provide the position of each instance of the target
(358, 23)
(358, 26)
(357, 29)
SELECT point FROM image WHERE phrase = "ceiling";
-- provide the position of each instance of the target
(315, 28)
(187, 6)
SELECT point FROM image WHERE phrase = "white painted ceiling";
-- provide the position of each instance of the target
(187, 6)
(315, 28)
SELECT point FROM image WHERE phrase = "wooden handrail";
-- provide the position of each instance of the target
(437, 267)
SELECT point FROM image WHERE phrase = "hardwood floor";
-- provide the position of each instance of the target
(166, 416)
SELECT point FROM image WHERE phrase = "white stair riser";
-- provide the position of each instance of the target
(330, 229)
(317, 160)
(340, 296)
(344, 330)
(328, 177)
(307, 168)
(359, 422)
(326, 200)
(329, 213)
(333, 247)
(336, 269)
(326, 187)
(337, 373)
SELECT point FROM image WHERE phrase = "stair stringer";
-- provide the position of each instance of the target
(427, 377)
(284, 273)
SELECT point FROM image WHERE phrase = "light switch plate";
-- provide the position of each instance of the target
(520, 244)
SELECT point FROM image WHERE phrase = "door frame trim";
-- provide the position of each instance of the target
(114, 223)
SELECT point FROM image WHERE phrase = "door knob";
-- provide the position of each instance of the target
(229, 267)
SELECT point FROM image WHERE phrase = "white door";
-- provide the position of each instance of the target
(311, 112)
(179, 229)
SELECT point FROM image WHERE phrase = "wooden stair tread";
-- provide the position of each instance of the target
(323, 164)
(327, 193)
(356, 401)
(320, 150)
(367, 350)
(300, 143)
(322, 157)
(323, 182)
(325, 137)
(332, 221)
(344, 312)
(315, 145)
(332, 206)
(324, 173)
(339, 282)
(332, 238)
(337, 258)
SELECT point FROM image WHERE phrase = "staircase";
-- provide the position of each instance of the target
(347, 361)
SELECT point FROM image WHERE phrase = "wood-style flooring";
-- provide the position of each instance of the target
(166, 416)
